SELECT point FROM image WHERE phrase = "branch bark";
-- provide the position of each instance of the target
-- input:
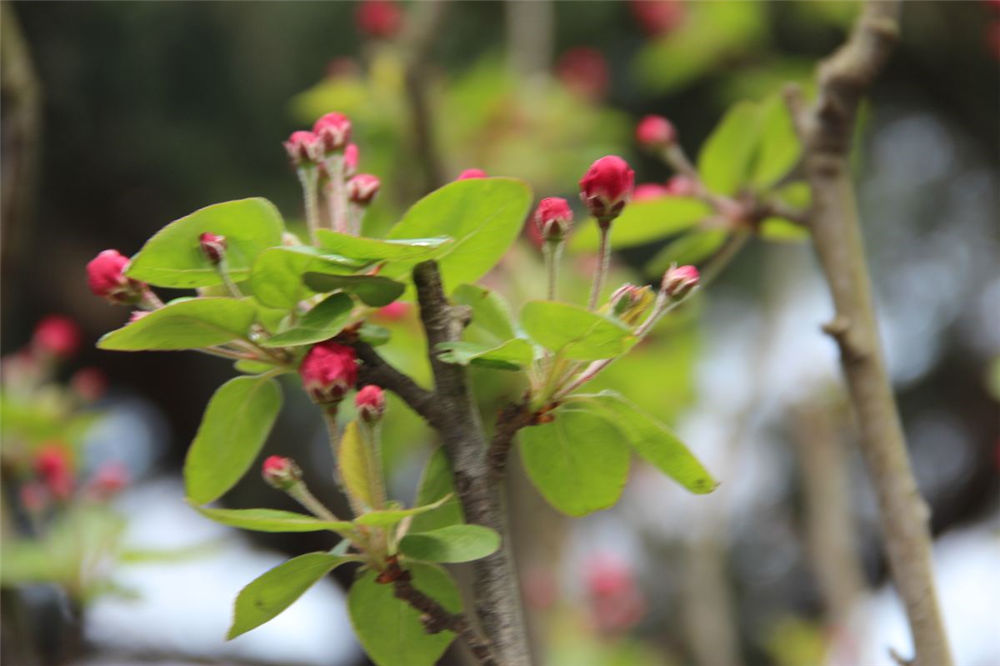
(495, 586)
(825, 129)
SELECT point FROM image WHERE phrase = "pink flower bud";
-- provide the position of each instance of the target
(89, 383)
(213, 246)
(53, 465)
(585, 72)
(57, 336)
(105, 277)
(678, 281)
(362, 188)
(351, 157)
(682, 186)
(471, 173)
(370, 402)
(553, 218)
(328, 371)
(615, 601)
(110, 479)
(333, 131)
(648, 191)
(303, 148)
(380, 19)
(657, 17)
(393, 312)
(606, 187)
(280, 472)
(655, 132)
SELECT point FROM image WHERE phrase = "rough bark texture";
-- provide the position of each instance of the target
(826, 129)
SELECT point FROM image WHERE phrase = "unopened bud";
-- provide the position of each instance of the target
(89, 383)
(56, 336)
(280, 472)
(606, 187)
(370, 402)
(351, 158)
(303, 147)
(333, 131)
(362, 188)
(106, 278)
(213, 246)
(655, 133)
(648, 191)
(679, 281)
(52, 463)
(471, 173)
(682, 186)
(328, 371)
(630, 302)
(553, 218)
(381, 19)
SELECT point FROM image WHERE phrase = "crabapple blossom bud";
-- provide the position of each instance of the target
(89, 383)
(328, 371)
(370, 402)
(380, 19)
(362, 188)
(303, 147)
(280, 472)
(553, 218)
(334, 131)
(657, 17)
(648, 191)
(213, 246)
(57, 336)
(606, 187)
(678, 281)
(471, 173)
(630, 302)
(585, 72)
(655, 132)
(109, 480)
(615, 601)
(106, 278)
(53, 465)
(393, 312)
(682, 186)
(351, 157)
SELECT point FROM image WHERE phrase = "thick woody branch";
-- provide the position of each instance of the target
(510, 419)
(826, 129)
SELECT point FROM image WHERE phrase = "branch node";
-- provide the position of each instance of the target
(841, 329)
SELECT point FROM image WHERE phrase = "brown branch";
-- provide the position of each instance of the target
(495, 586)
(511, 418)
(825, 129)
(425, 22)
(376, 370)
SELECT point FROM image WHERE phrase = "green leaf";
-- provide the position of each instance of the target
(390, 629)
(782, 231)
(354, 463)
(797, 195)
(389, 517)
(691, 248)
(232, 432)
(574, 332)
(373, 290)
(436, 483)
(455, 543)
(483, 215)
(652, 440)
(273, 520)
(489, 310)
(374, 249)
(644, 221)
(373, 334)
(511, 355)
(779, 145)
(248, 367)
(173, 256)
(579, 461)
(727, 156)
(276, 279)
(324, 321)
(278, 588)
(186, 324)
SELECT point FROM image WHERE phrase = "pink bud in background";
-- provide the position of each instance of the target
(553, 218)
(213, 246)
(281, 472)
(34, 497)
(585, 72)
(370, 402)
(648, 191)
(89, 383)
(57, 336)
(657, 17)
(52, 464)
(679, 281)
(110, 479)
(606, 187)
(328, 371)
(106, 278)
(333, 131)
(682, 186)
(351, 157)
(362, 188)
(471, 173)
(380, 19)
(614, 599)
(303, 147)
(655, 132)
(393, 312)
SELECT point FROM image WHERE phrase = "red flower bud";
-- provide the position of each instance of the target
(303, 148)
(213, 246)
(393, 312)
(370, 402)
(682, 186)
(57, 336)
(110, 479)
(351, 157)
(657, 17)
(105, 277)
(655, 132)
(333, 131)
(606, 187)
(281, 472)
(328, 371)
(678, 281)
(53, 465)
(471, 173)
(89, 383)
(615, 600)
(648, 191)
(585, 72)
(553, 218)
(380, 19)
(362, 188)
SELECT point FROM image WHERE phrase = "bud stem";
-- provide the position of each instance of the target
(149, 300)
(309, 178)
(373, 451)
(604, 259)
(552, 251)
(222, 269)
(336, 193)
(301, 494)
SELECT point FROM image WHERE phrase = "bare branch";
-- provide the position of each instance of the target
(376, 370)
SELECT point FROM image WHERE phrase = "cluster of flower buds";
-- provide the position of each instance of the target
(362, 188)
(213, 246)
(370, 402)
(607, 187)
(303, 148)
(330, 134)
(106, 278)
(553, 219)
(328, 371)
(679, 281)
(280, 472)
(333, 131)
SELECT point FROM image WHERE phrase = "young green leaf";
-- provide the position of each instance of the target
(691, 248)
(248, 367)
(373, 290)
(574, 332)
(436, 483)
(489, 311)
(482, 215)
(455, 543)
(783, 231)
(278, 588)
(389, 517)
(390, 629)
(373, 334)
(184, 324)
(355, 469)
(511, 355)
(643, 222)
(779, 145)
(579, 462)
(273, 520)
(173, 256)
(232, 432)
(726, 158)
(375, 249)
(324, 321)
(276, 279)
